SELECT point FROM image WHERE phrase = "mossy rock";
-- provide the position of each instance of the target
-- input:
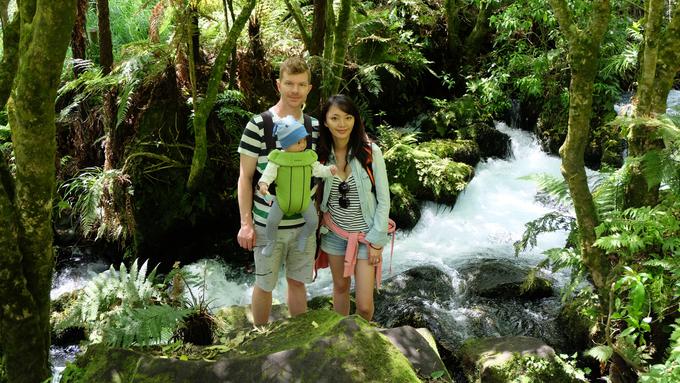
(575, 324)
(63, 334)
(504, 279)
(319, 346)
(465, 151)
(425, 175)
(506, 359)
(404, 208)
(491, 141)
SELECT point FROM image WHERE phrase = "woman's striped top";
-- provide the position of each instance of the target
(350, 218)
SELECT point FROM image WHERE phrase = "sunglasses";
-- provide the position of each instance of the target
(343, 188)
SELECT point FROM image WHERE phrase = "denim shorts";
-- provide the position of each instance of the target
(332, 244)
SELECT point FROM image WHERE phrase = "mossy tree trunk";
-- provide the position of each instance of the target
(78, 36)
(340, 42)
(204, 105)
(659, 63)
(584, 48)
(295, 11)
(27, 257)
(10, 49)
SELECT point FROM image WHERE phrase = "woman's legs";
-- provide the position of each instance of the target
(340, 284)
(364, 279)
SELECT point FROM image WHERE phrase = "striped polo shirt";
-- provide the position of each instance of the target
(253, 144)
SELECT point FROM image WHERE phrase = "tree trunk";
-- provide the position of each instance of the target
(584, 47)
(78, 36)
(476, 38)
(327, 70)
(112, 148)
(26, 203)
(203, 107)
(316, 53)
(296, 13)
(318, 27)
(105, 43)
(669, 62)
(453, 41)
(10, 54)
(340, 44)
(660, 63)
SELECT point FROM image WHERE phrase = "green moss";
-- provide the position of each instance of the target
(529, 369)
(426, 175)
(465, 151)
(404, 208)
(337, 345)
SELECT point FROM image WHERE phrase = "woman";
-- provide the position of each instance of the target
(355, 203)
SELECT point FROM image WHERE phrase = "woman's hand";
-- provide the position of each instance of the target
(374, 255)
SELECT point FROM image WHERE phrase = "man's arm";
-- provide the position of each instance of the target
(246, 234)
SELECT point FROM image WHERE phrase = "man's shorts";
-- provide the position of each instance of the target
(299, 264)
(333, 244)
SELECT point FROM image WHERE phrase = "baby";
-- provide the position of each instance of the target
(292, 169)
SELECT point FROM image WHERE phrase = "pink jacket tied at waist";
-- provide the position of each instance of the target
(352, 251)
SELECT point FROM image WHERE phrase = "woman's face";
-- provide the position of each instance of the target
(339, 123)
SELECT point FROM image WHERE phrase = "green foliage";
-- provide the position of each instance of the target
(84, 195)
(535, 369)
(120, 308)
(450, 115)
(230, 110)
(668, 372)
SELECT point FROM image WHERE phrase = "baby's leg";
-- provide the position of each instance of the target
(273, 220)
(311, 222)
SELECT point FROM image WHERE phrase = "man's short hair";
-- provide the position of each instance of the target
(294, 65)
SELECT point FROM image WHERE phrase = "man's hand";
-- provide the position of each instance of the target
(246, 237)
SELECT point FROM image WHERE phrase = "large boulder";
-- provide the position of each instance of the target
(504, 359)
(319, 346)
(491, 141)
(504, 278)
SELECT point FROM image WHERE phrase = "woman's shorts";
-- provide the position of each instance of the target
(332, 244)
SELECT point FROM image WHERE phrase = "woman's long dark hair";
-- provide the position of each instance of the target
(357, 138)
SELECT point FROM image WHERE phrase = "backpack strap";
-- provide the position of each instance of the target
(268, 126)
(308, 126)
(369, 165)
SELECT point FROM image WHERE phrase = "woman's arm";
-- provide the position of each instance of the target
(378, 233)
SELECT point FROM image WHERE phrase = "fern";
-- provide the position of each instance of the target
(553, 221)
(109, 298)
(144, 326)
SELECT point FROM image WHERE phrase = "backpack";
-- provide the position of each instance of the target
(295, 171)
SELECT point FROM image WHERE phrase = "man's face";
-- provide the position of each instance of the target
(294, 89)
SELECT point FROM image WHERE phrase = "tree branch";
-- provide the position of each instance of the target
(565, 19)
(296, 12)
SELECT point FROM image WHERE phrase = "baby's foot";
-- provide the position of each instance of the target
(301, 244)
(268, 249)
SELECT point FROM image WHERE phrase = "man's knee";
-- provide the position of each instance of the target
(294, 284)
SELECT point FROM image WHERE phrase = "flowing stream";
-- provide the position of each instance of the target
(485, 221)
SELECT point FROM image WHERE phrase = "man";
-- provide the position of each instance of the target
(293, 84)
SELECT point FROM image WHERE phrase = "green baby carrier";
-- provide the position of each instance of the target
(293, 179)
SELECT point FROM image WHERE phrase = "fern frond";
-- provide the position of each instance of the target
(144, 326)
(553, 221)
